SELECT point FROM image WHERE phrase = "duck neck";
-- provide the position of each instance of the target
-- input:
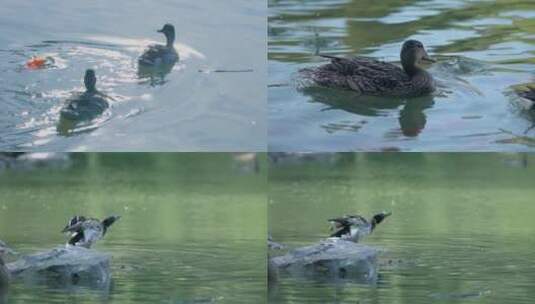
(170, 39)
(412, 70)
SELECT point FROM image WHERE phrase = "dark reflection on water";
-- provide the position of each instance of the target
(482, 49)
(412, 119)
(460, 230)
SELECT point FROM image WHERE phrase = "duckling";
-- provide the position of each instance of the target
(158, 54)
(86, 231)
(368, 76)
(87, 105)
(354, 227)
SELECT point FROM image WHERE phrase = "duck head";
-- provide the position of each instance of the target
(169, 31)
(378, 218)
(107, 222)
(90, 80)
(413, 53)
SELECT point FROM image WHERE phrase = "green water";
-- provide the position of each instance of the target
(482, 49)
(461, 230)
(192, 229)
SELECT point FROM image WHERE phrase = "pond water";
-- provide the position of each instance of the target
(482, 48)
(192, 229)
(212, 100)
(461, 229)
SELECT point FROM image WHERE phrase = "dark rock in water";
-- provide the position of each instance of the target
(273, 271)
(64, 265)
(332, 258)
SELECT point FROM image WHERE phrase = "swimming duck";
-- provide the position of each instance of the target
(158, 54)
(354, 227)
(87, 105)
(86, 231)
(368, 76)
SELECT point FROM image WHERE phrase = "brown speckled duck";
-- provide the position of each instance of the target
(372, 77)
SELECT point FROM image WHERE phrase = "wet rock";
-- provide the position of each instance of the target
(64, 265)
(332, 258)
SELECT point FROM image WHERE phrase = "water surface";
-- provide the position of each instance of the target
(482, 48)
(461, 229)
(192, 227)
(181, 109)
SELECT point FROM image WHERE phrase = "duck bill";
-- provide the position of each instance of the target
(426, 58)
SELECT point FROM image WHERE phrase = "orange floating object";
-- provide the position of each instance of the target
(36, 63)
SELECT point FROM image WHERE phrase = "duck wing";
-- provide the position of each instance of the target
(361, 74)
(75, 224)
(342, 231)
(151, 53)
(339, 222)
(348, 220)
(158, 54)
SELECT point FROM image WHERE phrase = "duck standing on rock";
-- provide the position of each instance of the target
(85, 232)
(354, 227)
(372, 77)
(157, 54)
(87, 105)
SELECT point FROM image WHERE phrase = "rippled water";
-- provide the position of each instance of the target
(461, 229)
(192, 227)
(186, 109)
(482, 48)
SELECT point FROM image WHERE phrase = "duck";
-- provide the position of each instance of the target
(87, 105)
(85, 232)
(157, 54)
(354, 227)
(370, 77)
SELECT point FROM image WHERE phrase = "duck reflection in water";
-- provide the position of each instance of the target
(412, 119)
(158, 60)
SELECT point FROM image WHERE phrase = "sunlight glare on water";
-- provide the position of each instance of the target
(187, 110)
